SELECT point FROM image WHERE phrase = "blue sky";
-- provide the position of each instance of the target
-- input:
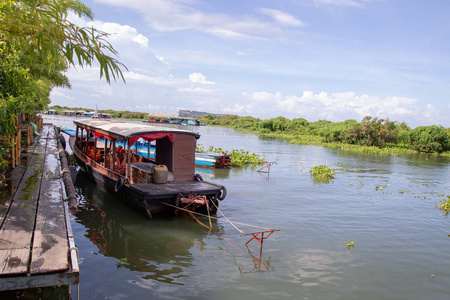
(312, 59)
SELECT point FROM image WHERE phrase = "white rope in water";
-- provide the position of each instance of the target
(216, 218)
(240, 231)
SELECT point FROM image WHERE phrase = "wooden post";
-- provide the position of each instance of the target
(77, 143)
(104, 152)
(113, 158)
(13, 152)
(18, 147)
(128, 160)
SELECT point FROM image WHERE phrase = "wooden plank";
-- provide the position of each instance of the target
(17, 230)
(50, 245)
(15, 238)
(15, 261)
(36, 281)
(13, 181)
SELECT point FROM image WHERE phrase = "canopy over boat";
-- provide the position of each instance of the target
(129, 131)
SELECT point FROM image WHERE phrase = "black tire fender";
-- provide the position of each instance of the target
(223, 194)
(198, 177)
(119, 184)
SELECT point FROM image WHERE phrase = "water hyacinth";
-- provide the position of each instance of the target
(239, 158)
(322, 172)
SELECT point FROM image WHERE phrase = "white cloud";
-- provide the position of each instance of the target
(242, 52)
(431, 111)
(282, 17)
(105, 90)
(175, 15)
(141, 40)
(343, 2)
(117, 32)
(198, 90)
(61, 94)
(234, 109)
(263, 96)
(340, 106)
(199, 78)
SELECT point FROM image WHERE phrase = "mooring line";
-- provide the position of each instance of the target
(216, 218)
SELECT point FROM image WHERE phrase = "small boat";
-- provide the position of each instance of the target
(153, 186)
(95, 116)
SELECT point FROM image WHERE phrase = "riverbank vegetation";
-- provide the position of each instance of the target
(371, 135)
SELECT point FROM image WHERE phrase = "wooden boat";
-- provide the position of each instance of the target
(151, 186)
(202, 159)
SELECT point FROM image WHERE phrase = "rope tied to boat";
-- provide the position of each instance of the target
(216, 218)
(240, 231)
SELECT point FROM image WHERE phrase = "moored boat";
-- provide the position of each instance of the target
(202, 159)
(153, 186)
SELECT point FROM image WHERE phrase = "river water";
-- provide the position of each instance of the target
(386, 205)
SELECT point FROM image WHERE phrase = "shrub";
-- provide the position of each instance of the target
(429, 139)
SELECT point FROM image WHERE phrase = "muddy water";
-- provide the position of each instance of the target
(385, 205)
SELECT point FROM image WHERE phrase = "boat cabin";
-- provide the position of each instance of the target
(113, 146)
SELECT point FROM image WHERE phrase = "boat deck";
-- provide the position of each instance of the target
(36, 241)
(155, 190)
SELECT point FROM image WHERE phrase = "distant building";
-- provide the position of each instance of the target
(183, 118)
(51, 112)
(184, 113)
(69, 113)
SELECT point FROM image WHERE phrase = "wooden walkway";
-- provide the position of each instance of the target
(36, 241)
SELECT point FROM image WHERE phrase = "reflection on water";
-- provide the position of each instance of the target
(138, 245)
(211, 173)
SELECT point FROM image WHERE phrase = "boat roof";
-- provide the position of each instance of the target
(123, 131)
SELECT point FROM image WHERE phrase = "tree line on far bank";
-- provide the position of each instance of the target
(375, 132)
(130, 115)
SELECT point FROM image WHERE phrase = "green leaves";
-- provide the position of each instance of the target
(43, 28)
(38, 44)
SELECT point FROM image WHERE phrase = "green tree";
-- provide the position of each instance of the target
(341, 132)
(37, 44)
(377, 132)
(42, 26)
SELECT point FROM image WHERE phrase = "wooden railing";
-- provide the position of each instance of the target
(25, 134)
